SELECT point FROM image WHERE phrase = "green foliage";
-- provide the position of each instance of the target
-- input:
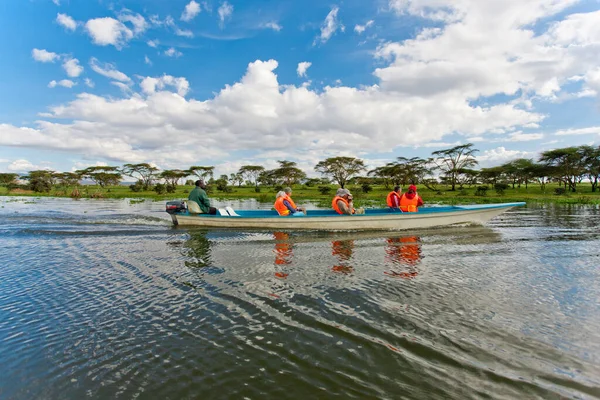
(340, 169)
(324, 189)
(366, 188)
(481, 191)
(500, 188)
(40, 181)
(160, 188)
(452, 161)
(137, 187)
(170, 188)
(560, 191)
(257, 189)
(7, 179)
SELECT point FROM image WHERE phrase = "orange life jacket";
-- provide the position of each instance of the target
(280, 207)
(390, 199)
(409, 205)
(334, 204)
(288, 198)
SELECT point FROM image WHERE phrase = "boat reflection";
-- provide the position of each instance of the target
(283, 252)
(405, 254)
(198, 249)
(342, 249)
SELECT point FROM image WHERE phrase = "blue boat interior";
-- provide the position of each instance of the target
(368, 211)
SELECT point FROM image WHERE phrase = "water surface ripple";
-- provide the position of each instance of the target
(105, 299)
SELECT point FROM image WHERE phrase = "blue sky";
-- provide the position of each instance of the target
(228, 83)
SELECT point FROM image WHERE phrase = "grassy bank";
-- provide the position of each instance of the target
(376, 197)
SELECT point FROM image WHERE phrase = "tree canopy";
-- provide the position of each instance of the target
(340, 169)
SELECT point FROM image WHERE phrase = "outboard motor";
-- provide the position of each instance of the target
(176, 206)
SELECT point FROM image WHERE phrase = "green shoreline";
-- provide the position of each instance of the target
(532, 194)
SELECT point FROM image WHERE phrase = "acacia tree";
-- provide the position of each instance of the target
(568, 164)
(591, 163)
(144, 171)
(67, 179)
(451, 161)
(340, 169)
(288, 173)
(251, 173)
(7, 179)
(40, 180)
(102, 175)
(491, 175)
(172, 176)
(206, 173)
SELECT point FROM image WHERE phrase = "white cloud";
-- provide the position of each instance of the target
(44, 55)
(108, 70)
(302, 68)
(153, 43)
(225, 11)
(501, 155)
(191, 10)
(272, 25)
(330, 25)
(89, 83)
(72, 67)
(172, 52)
(147, 60)
(170, 22)
(66, 21)
(524, 137)
(580, 131)
(108, 31)
(361, 28)
(124, 87)
(149, 85)
(24, 166)
(56, 2)
(138, 22)
(184, 32)
(64, 83)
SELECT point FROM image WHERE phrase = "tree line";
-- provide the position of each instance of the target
(453, 167)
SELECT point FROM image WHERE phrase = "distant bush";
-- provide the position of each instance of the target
(137, 187)
(257, 189)
(366, 188)
(278, 188)
(189, 182)
(559, 191)
(160, 188)
(463, 192)
(324, 189)
(481, 191)
(170, 188)
(500, 188)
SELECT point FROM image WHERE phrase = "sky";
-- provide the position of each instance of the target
(231, 83)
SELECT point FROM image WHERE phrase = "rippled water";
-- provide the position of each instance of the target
(105, 299)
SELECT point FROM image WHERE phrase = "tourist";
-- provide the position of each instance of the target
(198, 202)
(288, 193)
(393, 198)
(342, 202)
(410, 201)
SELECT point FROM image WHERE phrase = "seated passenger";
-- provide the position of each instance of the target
(410, 201)
(283, 206)
(342, 202)
(288, 193)
(198, 202)
(393, 198)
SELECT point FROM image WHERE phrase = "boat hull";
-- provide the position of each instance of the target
(372, 220)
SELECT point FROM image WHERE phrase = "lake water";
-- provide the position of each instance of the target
(105, 299)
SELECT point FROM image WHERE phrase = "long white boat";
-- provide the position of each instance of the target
(329, 220)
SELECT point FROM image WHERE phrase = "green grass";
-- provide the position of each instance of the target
(377, 197)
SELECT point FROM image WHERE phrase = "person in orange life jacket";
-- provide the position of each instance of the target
(393, 198)
(288, 193)
(342, 202)
(284, 207)
(410, 200)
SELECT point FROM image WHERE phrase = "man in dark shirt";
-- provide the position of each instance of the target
(199, 197)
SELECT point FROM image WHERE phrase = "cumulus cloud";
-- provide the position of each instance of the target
(172, 52)
(124, 87)
(501, 155)
(191, 10)
(108, 70)
(329, 26)
(66, 21)
(24, 166)
(524, 137)
(44, 55)
(64, 83)
(361, 28)
(89, 83)
(138, 22)
(225, 11)
(109, 31)
(149, 85)
(579, 131)
(302, 68)
(153, 43)
(72, 67)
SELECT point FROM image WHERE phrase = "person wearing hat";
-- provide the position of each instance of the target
(284, 206)
(342, 202)
(288, 194)
(198, 202)
(393, 198)
(410, 201)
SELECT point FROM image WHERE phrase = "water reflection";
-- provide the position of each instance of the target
(405, 254)
(198, 250)
(283, 252)
(342, 250)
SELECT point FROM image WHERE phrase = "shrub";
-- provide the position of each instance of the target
(137, 187)
(366, 188)
(170, 188)
(278, 188)
(189, 182)
(500, 188)
(481, 191)
(257, 189)
(324, 189)
(160, 188)
(559, 191)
